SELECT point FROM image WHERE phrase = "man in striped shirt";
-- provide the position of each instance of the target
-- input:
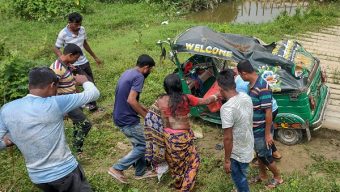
(75, 33)
(263, 129)
(63, 68)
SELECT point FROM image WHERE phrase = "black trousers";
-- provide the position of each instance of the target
(73, 182)
(85, 69)
(81, 127)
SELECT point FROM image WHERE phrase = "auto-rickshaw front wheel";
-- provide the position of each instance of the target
(289, 136)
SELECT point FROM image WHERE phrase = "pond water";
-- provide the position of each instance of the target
(248, 11)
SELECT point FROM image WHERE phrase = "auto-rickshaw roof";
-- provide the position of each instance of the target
(286, 60)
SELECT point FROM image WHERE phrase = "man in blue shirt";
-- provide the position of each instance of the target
(35, 125)
(261, 96)
(126, 113)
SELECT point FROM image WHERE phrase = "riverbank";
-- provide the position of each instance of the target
(118, 33)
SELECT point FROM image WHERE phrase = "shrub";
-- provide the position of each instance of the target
(47, 10)
(13, 77)
(189, 5)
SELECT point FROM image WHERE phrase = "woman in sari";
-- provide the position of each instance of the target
(180, 152)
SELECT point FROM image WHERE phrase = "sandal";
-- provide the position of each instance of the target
(276, 155)
(120, 178)
(272, 183)
(256, 179)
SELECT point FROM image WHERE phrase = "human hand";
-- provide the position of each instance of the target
(219, 96)
(7, 141)
(80, 79)
(98, 61)
(269, 140)
(227, 166)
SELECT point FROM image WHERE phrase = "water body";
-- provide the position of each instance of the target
(248, 11)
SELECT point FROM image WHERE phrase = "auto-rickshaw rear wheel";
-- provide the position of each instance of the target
(289, 136)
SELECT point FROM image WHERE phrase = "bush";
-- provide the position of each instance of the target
(13, 77)
(47, 10)
(189, 5)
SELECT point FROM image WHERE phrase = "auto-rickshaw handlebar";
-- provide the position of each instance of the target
(159, 42)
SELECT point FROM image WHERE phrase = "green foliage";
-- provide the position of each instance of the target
(47, 10)
(14, 77)
(188, 5)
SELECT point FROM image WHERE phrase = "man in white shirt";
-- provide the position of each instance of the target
(75, 33)
(237, 122)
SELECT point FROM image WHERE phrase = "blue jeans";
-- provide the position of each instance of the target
(136, 157)
(239, 173)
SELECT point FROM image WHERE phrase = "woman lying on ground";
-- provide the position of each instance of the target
(180, 152)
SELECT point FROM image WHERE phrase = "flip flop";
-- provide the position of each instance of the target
(256, 179)
(277, 156)
(272, 183)
(120, 178)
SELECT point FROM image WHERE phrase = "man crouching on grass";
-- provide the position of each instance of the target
(237, 122)
(35, 124)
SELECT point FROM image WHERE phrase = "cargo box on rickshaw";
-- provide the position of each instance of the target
(294, 75)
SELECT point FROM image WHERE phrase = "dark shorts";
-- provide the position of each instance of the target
(73, 182)
(261, 147)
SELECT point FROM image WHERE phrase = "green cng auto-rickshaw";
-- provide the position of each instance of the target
(294, 75)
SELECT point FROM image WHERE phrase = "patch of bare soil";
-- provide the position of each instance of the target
(324, 143)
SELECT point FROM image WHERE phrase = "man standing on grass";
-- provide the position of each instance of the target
(75, 33)
(237, 122)
(263, 129)
(64, 69)
(35, 124)
(125, 115)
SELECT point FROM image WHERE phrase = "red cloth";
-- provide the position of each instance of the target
(188, 67)
(183, 108)
(215, 106)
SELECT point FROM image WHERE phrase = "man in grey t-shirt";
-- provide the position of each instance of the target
(237, 122)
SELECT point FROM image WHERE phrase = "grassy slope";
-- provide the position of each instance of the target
(118, 34)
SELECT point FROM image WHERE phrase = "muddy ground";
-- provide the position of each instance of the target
(324, 143)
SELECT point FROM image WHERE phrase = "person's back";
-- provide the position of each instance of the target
(181, 118)
(35, 124)
(240, 108)
(123, 113)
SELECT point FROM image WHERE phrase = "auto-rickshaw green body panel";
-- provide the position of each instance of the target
(294, 75)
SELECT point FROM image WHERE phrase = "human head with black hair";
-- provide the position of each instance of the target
(145, 63)
(227, 84)
(71, 53)
(74, 21)
(75, 18)
(246, 70)
(42, 81)
(173, 88)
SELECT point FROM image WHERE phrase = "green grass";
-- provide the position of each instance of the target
(118, 33)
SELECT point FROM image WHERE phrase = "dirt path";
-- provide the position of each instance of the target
(325, 45)
(324, 143)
